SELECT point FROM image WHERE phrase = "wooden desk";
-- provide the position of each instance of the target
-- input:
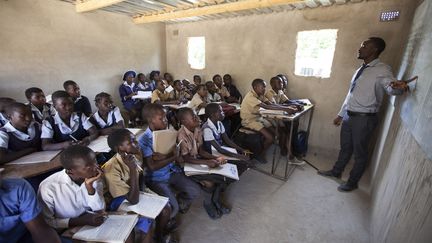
(29, 170)
(290, 118)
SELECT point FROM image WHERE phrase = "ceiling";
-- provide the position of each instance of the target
(174, 11)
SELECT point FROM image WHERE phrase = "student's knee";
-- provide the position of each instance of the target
(193, 191)
(268, 136)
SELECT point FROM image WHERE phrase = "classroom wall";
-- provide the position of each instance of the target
(45, 42)
(264, 45)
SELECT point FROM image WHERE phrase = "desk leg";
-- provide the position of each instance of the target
(289, 148)
(274, 166)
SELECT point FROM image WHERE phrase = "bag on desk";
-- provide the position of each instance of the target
(251, 141)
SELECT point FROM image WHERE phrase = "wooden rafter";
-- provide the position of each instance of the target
(213, 9)
(91, 5)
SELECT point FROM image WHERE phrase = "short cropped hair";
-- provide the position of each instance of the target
(153, 73)
(14, 107)
(30, 91)
(211, 109)
(183, 112)
(71, 153)
(275, 79)
(117, 137)
(257, 82)
(59, 94)
(4, 102)
(227, 76)
(196, 76)
(176, 81)
(68, 83)
(150, 110)
(208, 83)
(201, 86)
(379, 43)
(102, 95)
(215, 76)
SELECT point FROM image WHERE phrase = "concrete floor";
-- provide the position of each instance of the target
(306, 208)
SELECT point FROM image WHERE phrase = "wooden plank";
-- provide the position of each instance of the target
(91, 5)
(214, 9)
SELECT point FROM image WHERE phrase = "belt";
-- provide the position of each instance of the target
(353, 113)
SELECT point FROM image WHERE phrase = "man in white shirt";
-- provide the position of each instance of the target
(358, 114)
(74, 196)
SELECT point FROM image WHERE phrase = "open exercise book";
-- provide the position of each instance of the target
(36, 157)
(116, 228)
(227, 170)
(232, 150)
(143, 95)
(100, 144)
(164, 141)
(150, 205)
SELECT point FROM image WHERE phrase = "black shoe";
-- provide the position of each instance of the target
(329, 173)
(171, 226)
(211, 211)
(222, 209)
(183, 207)
(347, 187)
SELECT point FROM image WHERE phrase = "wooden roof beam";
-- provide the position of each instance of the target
(213, 9)
(91, 5)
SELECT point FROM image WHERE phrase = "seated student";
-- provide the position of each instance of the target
(197, 80)
(232, 89)
(215, 136)
(159, 95)
(284, 83)
(222, 90)
(61, 130)
(168, 78)
(143, 83)
(122, 176)
(276, 95)
(128, 89)
(4, 102)
(199, 100)
(107, 117)
(21, 219)
(163, 175)
(74, 196)
(179, 93)
(191, 88)
(37, 102)
(154, 76)
(81, 103)
(192, 151)
(251, 119)
(20, 136)
(212, 94)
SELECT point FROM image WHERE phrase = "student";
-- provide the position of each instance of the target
(163, 175)
(154, 76)
(122, 176)
(37, 102)
(74, 196)
(222, 90)
(197, 80)
(191, 88)
(81, 103)
(127, 90)
(199, 100)
(61, 130)
(107, 117)
(232, 89)
(179, 93)
(192, 151)
(159, 95)
(4, 102)
(212, 94)
(168, 78)
(276, 94)
(20, 136)
(144, 84)
(215, 136)
(21, 219)
(284, 83)
(251, 119)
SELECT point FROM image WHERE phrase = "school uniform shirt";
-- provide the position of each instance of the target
(157, 95)
(16, 140)
(82, 104)
(276, 97)
(178, 95)
(125, 89)
(191, 141)
(163, 174)
(114, 116)
(213, 97)
(249, 111)
(213, 131)
(18, 205)
(223, 91)
(232, 89)
(117, 177)
(47, 111)
(145, 87)
(3, 119)
(48, 131)
(195, 102)
(62, 199)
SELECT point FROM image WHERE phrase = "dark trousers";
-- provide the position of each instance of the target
(187, 190)
(355, 136)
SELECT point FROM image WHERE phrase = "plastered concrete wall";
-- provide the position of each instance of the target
(264, 45)
(45, 42)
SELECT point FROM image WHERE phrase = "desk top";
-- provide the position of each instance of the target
(292, 117)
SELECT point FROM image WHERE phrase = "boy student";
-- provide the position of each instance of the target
(122, 176)
(163, 175)
(212, 94)
(20, 136)
(128, 89)
(232, 89)
(21, 219)
(4, 102)
(222, 90)
(74, 196)
(192, 151)
(37, 102)
(251, 119)
(284, 83)
(199, 100)
(81, 103)
(66, 127)
(107, 117)
(197, 80)
(215, 136)
(159, 95)
(179, 93)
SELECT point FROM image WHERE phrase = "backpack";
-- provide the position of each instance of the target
(300, 143)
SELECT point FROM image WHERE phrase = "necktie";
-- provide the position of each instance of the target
(359, 72)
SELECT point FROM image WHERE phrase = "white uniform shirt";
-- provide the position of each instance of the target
(48, 131)
(117, 115)
(4, 136)
(46, 111)
(62, 199)
(208, 132)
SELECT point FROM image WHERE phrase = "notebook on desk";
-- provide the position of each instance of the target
(227, 170)
(150, 205)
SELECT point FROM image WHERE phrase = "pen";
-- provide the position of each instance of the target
(136, 163)
(73, 138)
